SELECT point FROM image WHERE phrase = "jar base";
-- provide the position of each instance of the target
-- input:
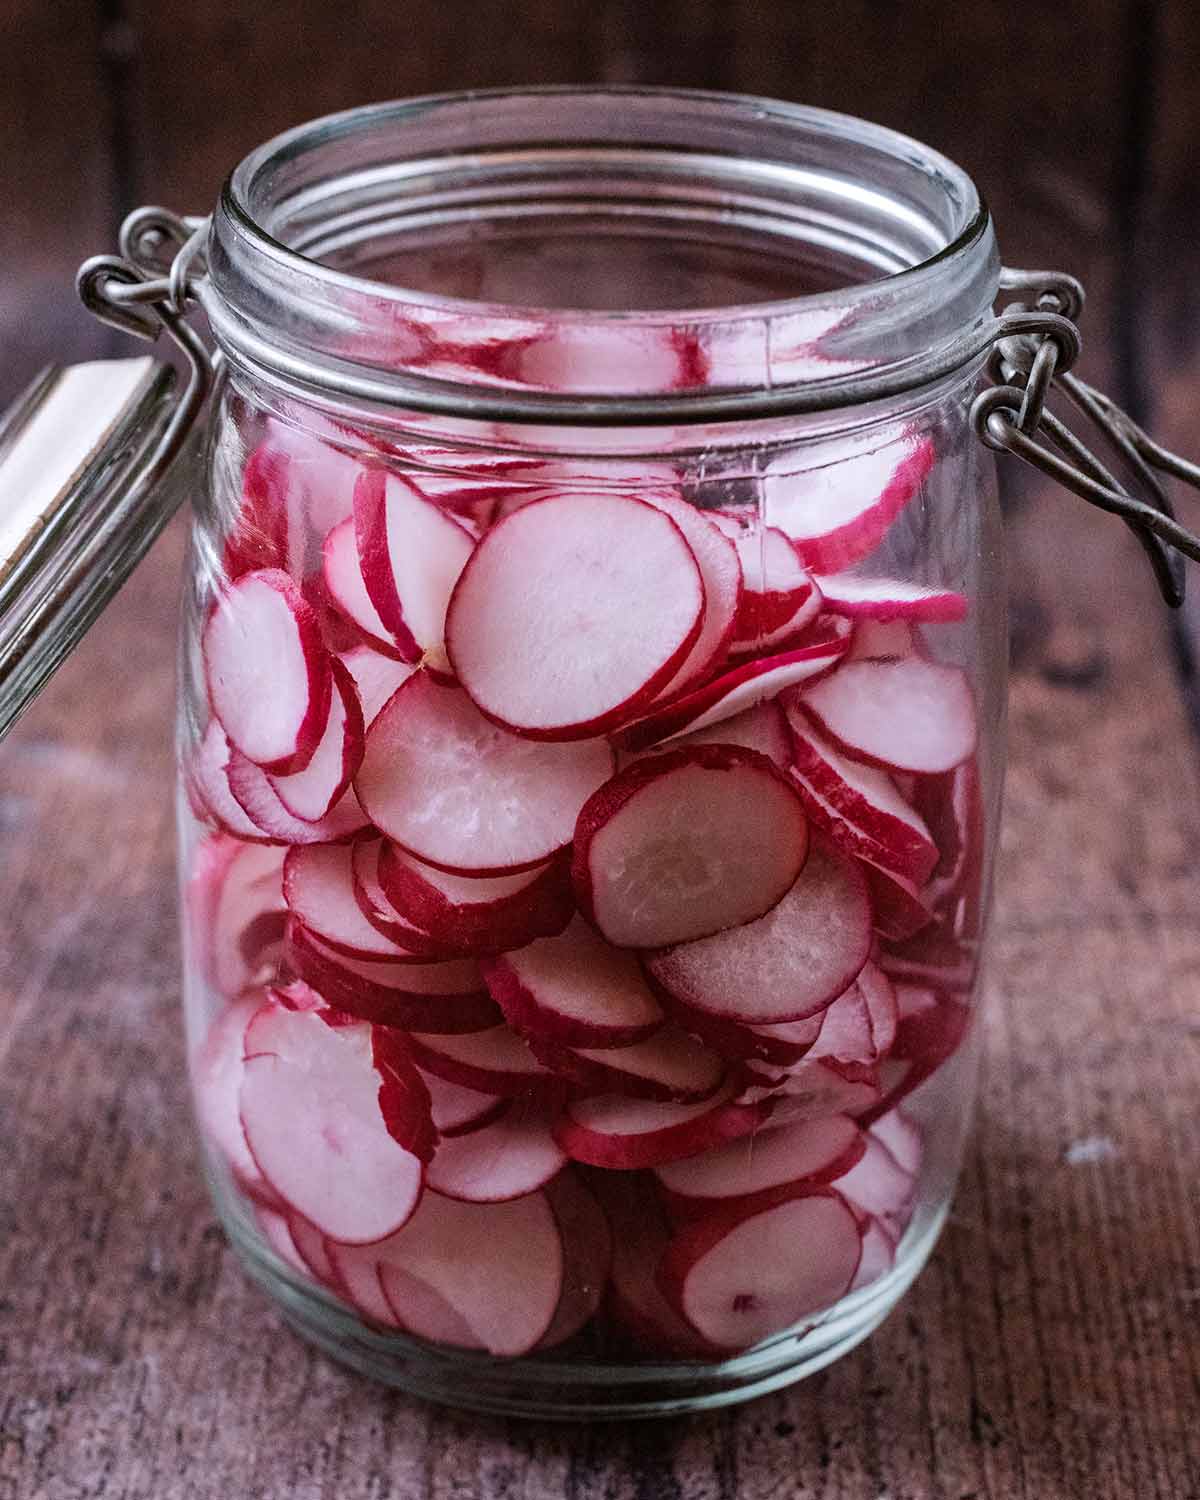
(557, 1388)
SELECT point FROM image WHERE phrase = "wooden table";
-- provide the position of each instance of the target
(1051, 1349)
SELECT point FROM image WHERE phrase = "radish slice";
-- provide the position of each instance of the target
(261, 534)
(276, 1230)
(816, 1151)
(838, 514)
(357, 1271)
(860, 805)
(932, 1028)
(682, 845)
(314, 1123)
(787, 965)
(762, 728)
(612, 1130)
(913, 714)
(575, 990)
(670, 1065)
(423, 1312)
(458, 1111)
(747, 1273)
(514, 1155)
(781, 1045)
(879, 1187)
(267, 671)
(376, 677)
(318, 886)
(207, 784)
(311, 794)
(494, 1062)
(233, 888)
(499, 1266)
(440, 997)
(860, 1026)
(587, 1256)
(382, 915)
(902, 1138)
(827, 1086)
(878, 1254)
(721, 573)
(217, 1069)
(344, 584)
(574, 613)
(740, 688)
(495, 913)
(598, 358)
(411, 554)
(640, 1235)
(900, 912)
(890, 599)
(254, 790)
(779, 596)
(313, 1249)
(465, 795)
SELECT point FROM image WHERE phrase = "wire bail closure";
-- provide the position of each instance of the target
(1009, 416)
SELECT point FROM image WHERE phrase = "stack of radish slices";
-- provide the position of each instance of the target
(587, 877)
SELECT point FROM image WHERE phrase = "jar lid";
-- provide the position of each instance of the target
(74, 520)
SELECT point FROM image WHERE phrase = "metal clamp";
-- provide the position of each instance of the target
(1009, 416)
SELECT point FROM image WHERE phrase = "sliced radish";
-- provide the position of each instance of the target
(261, 533)
(254, 790)
(762, 728)
(493, 913)
(890, 599)
(671, 1065)
(313, 1249)
(311, 794)
(423, 1312)
(878, 1254)
(740, 688)
(575, 990)
(739, 1276)
(494, 1062)
(375, 676)
(825, 1086)
(235, 896)
(411, 554)
(846, 1032)
(383, 916)
(587, 1256)
(896, 902)
(276, 1230)
(882, 1006)
(902, 1137)
(815, 1151)
(912, 714)
(860, 805)
(207, 783)
(878, 1186)
(679, 846)
(640, 1234)
(514, 1155)
(457, 1110)
(573, 613)
(838, 514)
(465, 795)
(217, 1069)
(613, 1130)
(932, 1028)
(721, 573)
(934, 956)
(344, 585)
(498, 1266)
(357, 1271)
(781, 1045)
(267, 671)
(779, 596)
(787, 965)
(439, 997)
(953, 806)
(312, 1114)
(318, 886)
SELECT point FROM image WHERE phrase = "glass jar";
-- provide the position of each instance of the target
(591, 721)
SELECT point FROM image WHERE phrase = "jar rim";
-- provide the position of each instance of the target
(279, 308)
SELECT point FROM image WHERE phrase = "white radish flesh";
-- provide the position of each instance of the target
(344, 584)
(318, 885)
(375, 676)
(514, 1155)
(311, 794)
(816, 1151)
(587, 1256)
(612, 1130)
(497, 1061)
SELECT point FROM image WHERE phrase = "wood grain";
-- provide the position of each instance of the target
(1048, 1351)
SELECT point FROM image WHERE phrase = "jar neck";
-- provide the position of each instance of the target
(607, 255)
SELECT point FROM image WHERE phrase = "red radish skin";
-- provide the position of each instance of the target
(934, 956)
(499, 1266)
(614, 1131)
(206, 780)
(861, 805)
(493, 1062)
(376, 677)
(217, 1069)
(671, 1065)
(787, 965)
(318, 886)
(679, 846)
(574, 990)
(574, 613)
(311, 794)
(260, 536)
(779, 596)
(882, 1006)
(267, 671)
(781, 1045)
(817, 1151)
(587, 1256)
(234, 886)
(492, 913)
(463, 794)
(739, 688)
(313, 1121)
(439, 997)
(739, 1276)
(458, 1111)
(863, 598)
(254, 790)
(913, 715)
(411, 554)
(382, 915)
(342, 576)
(837, 515)
(932, 1028)
(900, 913)
(514, 1155)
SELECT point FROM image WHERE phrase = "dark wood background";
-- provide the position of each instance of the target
(1050, 1351)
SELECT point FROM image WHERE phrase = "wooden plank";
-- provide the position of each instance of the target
(1044, 1354)
(57, 185)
